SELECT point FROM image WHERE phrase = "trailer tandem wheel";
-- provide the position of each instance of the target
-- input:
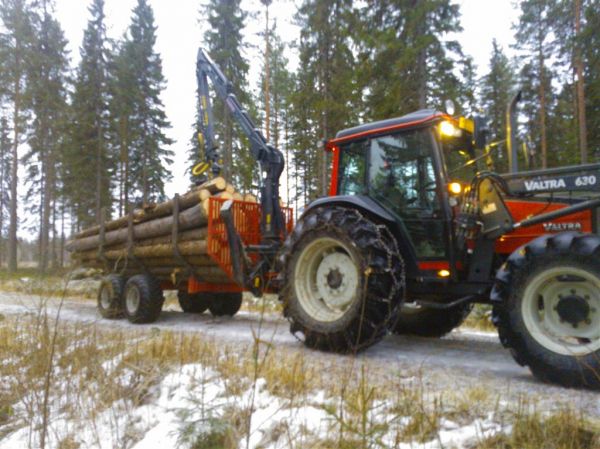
(143, 299)
(110, 294)
(193, 302)
(225, 304)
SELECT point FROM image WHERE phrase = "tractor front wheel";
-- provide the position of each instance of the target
(550, 313)
(343, 280)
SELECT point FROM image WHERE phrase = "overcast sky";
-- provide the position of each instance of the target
(180, 34)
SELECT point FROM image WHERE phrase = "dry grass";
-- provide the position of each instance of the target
(91, 370)
(480, 318)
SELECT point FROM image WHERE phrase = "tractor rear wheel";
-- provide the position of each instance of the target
(343, 280)
(549, 316)
(193, 302)
(225, 304)
(143, 299)
(110, 294)
(434, 323)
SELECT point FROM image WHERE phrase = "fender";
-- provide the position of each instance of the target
(370, 207)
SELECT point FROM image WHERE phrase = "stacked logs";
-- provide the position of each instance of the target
(144, 239)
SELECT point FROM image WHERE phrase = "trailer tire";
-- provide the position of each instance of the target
(225, 304)
(432, 323)
(547, 308)
(194, 302)
(361, 272)
(143, 299)
(110, 292)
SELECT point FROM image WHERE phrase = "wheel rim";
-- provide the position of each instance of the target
(132, 300)
(326, 279)
(561, 310)
(105, 297)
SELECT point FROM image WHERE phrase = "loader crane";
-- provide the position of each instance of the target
(271, 164)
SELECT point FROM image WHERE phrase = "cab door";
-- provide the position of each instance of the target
(402, 176)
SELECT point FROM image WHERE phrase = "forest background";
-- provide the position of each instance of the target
(84, 126)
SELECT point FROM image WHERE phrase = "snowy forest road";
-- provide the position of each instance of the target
(464, 359)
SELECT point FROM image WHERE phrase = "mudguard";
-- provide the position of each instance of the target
(370, 207)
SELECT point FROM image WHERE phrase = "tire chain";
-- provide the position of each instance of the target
(395, 266)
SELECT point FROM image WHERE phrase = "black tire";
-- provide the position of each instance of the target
(225, 304)
(433, 323)
(110, 295)
(557, 263)
(372, 291)
(146, 303)
(193, 303)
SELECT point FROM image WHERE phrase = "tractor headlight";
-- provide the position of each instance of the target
(449, 130)
(455, 188)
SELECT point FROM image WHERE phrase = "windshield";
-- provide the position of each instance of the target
(457, 153)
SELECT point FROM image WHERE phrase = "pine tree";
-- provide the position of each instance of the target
(146, 125)
(497, 88)
(223, 36)
(48, 83)
(15, 47)
(90, 163)
(532, 36)
(567, 24)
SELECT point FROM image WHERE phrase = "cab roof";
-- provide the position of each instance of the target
(414, 118)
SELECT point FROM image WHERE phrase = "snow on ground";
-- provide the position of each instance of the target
(191, 403)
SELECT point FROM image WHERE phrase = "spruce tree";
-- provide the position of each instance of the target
(90, 163)
(280, 88)
(15, 47)
(48, 90)
(223, 26)
(326, 86)
(407, 62)
(148, 154)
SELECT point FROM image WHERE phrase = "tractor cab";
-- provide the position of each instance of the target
(415, 167)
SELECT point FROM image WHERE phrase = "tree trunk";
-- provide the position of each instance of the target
(14, 180)
(193, 217)
(578, 63)
(185, 236)
(267, 80)
(185, 201)
(228, 141)
(542, 94)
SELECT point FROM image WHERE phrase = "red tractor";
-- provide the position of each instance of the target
(417, 229)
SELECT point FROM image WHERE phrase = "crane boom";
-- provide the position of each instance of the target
(269, 158)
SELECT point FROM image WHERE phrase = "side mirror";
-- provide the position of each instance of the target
(480, 132)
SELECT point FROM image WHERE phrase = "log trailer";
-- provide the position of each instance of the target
(415, 230)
